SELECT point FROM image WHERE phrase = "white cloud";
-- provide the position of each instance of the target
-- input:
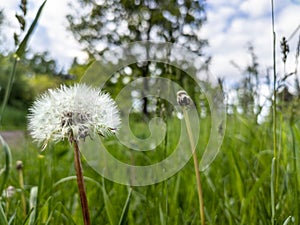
(231, 26)
(255, 8)
(51, 34)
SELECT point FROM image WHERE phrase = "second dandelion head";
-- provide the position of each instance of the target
(183, 99)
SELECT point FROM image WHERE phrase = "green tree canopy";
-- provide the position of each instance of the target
(99, 25)
(102, 25)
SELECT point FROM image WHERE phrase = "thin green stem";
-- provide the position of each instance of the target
(272, 189)
(80, 183)
(21, 183)
(41, 182)
(274, 82)
(274, 162)
(196, 166)
(165, 182)
(296, 184)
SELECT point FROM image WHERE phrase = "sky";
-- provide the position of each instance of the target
(230, 27)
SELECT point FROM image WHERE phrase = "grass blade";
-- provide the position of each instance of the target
(161, 215)
(7, 163)
(22, 47)
(109, 207)
(26, 221)
(33, 204)
(287, 221)
(44, 212)
(273, 210)
(12, 218)
(253, 192)
(63, 212)
(125, 210)
(40, 187)
(3, 219)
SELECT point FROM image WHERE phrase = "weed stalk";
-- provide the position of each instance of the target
(274, 161)
(196, 165)
(19, 167)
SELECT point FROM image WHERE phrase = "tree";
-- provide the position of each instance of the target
(248, 90)
(33, 75)
(111, 23)
(101, 25)
(1, 17)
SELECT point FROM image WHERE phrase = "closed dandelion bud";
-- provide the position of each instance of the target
(19, 165)
(183, 99)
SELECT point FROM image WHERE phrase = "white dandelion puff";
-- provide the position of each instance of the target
(73, 112)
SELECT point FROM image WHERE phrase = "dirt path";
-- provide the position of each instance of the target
(13, 138)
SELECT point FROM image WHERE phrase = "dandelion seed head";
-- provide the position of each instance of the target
(183, 99)
(74, 112)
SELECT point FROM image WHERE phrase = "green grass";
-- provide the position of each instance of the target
(14, 119)
(236, 187)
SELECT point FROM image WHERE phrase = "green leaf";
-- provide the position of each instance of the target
(12, 218)
(63, 212)
(125, 210)
(3, 219)
(272, 184)
(22, 47)
(109, 207)
(44, 212)
(7, 163)
(73, 178)
(26, 221)
(21, 21)
(287, 221)
(33, 204)
(161, 215)
(176, 190)
(254, 192)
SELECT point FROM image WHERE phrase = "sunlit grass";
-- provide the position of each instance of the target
(242, 186)
(236, 186)
(14, 119)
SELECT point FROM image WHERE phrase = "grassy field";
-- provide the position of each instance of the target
(253, 180)
(237, 187)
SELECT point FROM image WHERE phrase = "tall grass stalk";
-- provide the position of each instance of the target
(40, 184)
(196, 165)
(274, 161)
(273, 190)
(295, 172)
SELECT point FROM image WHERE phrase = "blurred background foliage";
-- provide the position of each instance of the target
(99, 26)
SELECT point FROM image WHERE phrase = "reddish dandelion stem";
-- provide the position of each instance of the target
(81, 186)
